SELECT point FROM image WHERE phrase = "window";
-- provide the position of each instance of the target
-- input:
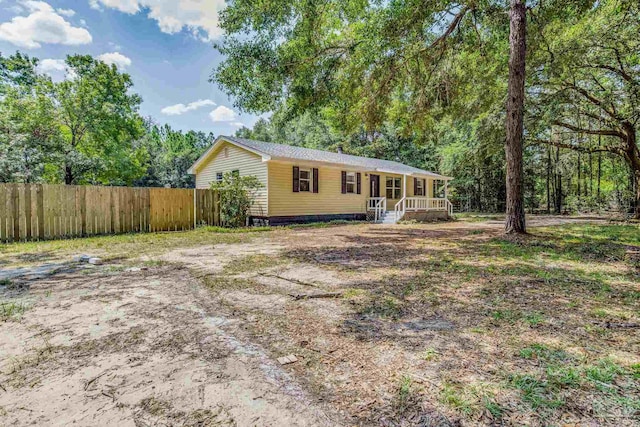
(305, 180)
(394, 188)
(219, 176)
(419, 187)
(351, 182)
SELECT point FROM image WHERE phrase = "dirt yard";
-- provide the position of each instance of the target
(429, 325)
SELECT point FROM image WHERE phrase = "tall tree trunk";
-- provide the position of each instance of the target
(635, 186)
(637, 182)
(68, 175)
(632, 154)
(515, 222)
(591, 174)
(558, 184)
(579, 179)
(599, 171)
(548, 180)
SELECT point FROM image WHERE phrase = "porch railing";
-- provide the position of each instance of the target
(421, 204)
(377, 205)
(415, 204)
(401, 209)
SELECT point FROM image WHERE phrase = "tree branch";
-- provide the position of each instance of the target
(603, 132)
(605, 149)
(593, 99)
(451, 28)
(626, 76)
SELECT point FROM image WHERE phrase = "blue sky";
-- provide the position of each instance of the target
(165, 45)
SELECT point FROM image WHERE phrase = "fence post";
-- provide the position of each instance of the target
(40, 210)
(3, 215)
(27, 211)
(83, 210)
(16, 212)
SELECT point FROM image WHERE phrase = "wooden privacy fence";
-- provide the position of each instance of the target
(42, 211)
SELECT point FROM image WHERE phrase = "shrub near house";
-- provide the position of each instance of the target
(237, 196)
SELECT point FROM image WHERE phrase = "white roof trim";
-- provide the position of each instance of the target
(217, 143)
(426, 175)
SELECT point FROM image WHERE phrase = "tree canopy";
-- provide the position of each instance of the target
(436, 74)
(85, 129)
(423, 83)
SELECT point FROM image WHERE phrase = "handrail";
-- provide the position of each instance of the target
(403, 203)
(381, 206)
(449, 207)
(378, 205)
(372, 202)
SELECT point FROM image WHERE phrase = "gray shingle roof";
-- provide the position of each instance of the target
(282, 151)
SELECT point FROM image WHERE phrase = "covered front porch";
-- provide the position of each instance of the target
(401, 195)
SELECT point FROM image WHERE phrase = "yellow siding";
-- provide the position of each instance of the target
(330, 200)
(229, 157)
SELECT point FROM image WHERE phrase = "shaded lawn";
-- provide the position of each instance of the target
(439, 324)
(546, 326)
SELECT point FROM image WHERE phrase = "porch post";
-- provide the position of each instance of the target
(446, 189)
(405, 186)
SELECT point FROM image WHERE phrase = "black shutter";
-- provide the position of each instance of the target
(344, 182)
(359, 183)
(424, 187)
(315, 180)
(296, 179)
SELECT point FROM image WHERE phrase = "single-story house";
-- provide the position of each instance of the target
(306, 185)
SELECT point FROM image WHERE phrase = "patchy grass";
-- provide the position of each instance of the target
(405, 392)
(532, 343)
(121, 246)
(458, 398)
(242, 230)
(327, 224)
(450, 322)
(252, 263)
(430, 354)
(11, 310)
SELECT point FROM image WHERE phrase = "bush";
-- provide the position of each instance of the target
(237, 195)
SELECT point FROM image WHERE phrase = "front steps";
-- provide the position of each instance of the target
(388, 217)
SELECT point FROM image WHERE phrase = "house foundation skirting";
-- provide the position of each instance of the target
(306, 219)
(427, 216)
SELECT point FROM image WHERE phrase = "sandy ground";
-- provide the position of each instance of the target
(138, 348)
(160, 346)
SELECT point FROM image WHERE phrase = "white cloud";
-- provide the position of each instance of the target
(237, 124)
(42, 25)
(56, 69)
(51, 65)
(179, 109)
(115, 58)
(200, 17)
(66, 12)
(223, 114)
